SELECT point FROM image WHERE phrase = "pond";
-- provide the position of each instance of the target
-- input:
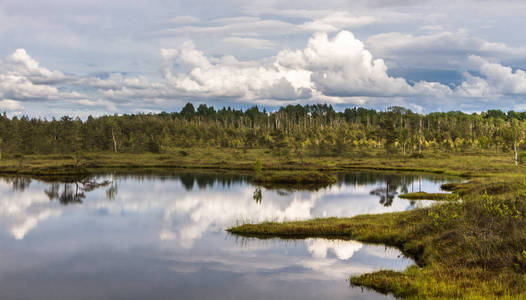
(161, 235)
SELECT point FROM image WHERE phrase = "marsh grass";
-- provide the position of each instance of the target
(466, 165)
(430, 196)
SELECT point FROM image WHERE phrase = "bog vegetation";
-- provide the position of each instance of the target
(292, 131)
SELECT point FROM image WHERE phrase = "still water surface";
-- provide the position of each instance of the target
(161, 236)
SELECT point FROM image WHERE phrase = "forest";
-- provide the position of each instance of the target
(293, 130)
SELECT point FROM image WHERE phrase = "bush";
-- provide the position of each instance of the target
(258, 166)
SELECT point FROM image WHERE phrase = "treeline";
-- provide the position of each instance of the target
(290, 131)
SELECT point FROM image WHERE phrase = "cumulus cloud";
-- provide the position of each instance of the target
(21, 64)
(22, 78)
(230, 78)
(21, 88)
(326, 69)
(338, 70)
(494, 80)
(343, 67)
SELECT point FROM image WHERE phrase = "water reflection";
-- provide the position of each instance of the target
(155, 235)
(257, 196)
(73, 192)
(190, 203)
(19, 184)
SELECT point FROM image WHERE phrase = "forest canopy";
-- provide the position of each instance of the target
(292, 130)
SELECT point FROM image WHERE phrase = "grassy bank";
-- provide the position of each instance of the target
(467, 165)
(471, 249)
(430, 196)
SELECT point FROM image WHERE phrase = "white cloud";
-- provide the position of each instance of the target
(10, 105)
(495, 80)
(21, 64)
(21, 88)
(328, 69)
(22, 78)
(343, 67)
(231, 78)
(344, 250)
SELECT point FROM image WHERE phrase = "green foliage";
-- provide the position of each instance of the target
(495, 207)
(443, 216)
(258, 166)
(293, 131)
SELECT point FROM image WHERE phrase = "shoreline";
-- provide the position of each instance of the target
(466, 165)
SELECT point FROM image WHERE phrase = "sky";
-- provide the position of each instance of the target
(80, 58)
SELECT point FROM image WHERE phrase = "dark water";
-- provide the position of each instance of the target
(161, 236)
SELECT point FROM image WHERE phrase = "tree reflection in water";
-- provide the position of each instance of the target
(19, 184)
(257, 196)
(386, 193)
(390, 186)
(74, 191)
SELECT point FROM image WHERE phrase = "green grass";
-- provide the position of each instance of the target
(430, 196)
(471, 249)
(467, 165)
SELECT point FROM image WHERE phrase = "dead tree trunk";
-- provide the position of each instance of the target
(420, 138)
(114, 140)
